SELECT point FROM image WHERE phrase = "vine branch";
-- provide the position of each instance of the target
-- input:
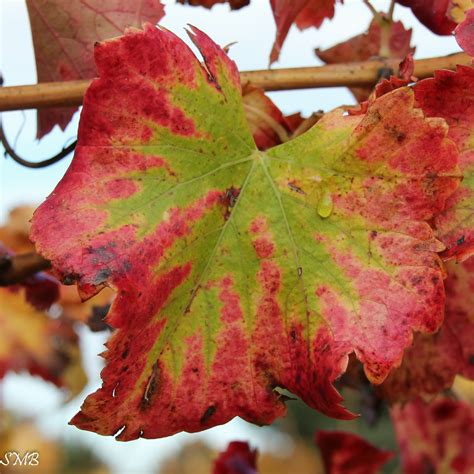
(71, 93)
(17, 268)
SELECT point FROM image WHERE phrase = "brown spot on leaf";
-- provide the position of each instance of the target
(207, 414)
(295, 188)
(150, 387)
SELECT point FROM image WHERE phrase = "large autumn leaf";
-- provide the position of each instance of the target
(305, 13)
(384, 38)
(450, 95)
(64, 34)
(239, 271)
(436, 437)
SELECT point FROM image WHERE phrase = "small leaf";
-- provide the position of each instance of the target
(435, 437)
(383, 39)
(344, 452)
(238, 458)
(450, 95)
(229, 283)
(64, 34)
(434, 14)
(305, 13)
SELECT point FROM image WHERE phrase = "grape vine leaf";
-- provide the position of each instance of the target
(31, 341)
(465, 33)
(435, 437)
(41, 290)
(383, 38)
(239, 271)
(345, 452)
(450, 95)
(305, 13)
(238, 458)
(234, 4)
(64, 34)
(434, 14)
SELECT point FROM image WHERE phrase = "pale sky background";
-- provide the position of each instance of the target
(253, 28)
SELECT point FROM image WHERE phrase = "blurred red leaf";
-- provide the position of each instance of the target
(436, 437)
(30, 340)
(345, 453)
(238, 458)
(41, 289)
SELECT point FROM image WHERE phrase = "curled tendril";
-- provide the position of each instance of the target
(9, 151)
